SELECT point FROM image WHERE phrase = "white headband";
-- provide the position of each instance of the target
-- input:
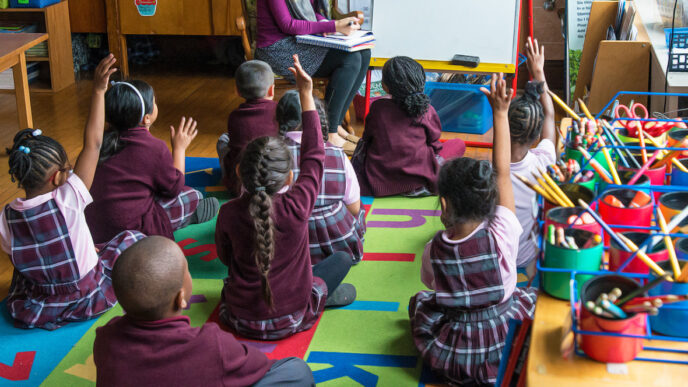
(143, 104)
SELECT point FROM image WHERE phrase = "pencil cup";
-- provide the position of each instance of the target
(678, 177)
(671, 203)
(657, 176)
(610, 349)
(556, 257)
(682, 248)
(572, 153)
(617, 255)
(639, 217)
(672, 318)
(628, 140)
(559, 217)
(676, 137)
(625, 177)
(574, 192)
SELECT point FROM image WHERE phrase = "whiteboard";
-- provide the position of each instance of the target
(436, 30)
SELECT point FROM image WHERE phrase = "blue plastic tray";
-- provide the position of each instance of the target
(462, 108)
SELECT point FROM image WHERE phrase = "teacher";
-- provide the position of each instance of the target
(277, 24)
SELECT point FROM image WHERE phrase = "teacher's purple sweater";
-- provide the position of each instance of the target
(171, 352)
(291, 276)
(274, 22)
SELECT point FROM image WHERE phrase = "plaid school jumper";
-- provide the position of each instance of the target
(47, 290)
(460, 327)
(331, 227)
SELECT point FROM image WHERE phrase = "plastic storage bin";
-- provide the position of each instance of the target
(461, 107)
(32, 3)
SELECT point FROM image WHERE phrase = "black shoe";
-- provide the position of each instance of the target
(343, 295)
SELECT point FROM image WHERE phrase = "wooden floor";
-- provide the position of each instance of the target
(207, 98)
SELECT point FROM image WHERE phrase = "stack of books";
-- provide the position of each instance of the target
(39, 50)
(359, 40)
(7, 78)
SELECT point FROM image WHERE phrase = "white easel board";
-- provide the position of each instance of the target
(436, 30)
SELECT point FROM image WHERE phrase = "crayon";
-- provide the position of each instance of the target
(613, 201)
(639, 200)
(550, 235)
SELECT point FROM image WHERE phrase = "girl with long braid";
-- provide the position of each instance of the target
(59, 274)
(400, 152)
(531, 117)
(271, 291)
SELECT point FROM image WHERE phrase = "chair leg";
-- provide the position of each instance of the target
(346, 123)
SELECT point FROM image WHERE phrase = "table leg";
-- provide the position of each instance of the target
(21, 90)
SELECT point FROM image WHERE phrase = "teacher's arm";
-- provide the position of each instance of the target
(288, 25)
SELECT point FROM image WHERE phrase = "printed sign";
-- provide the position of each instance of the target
(146, 7)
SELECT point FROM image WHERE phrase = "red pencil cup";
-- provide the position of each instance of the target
(574, 192)
(559, 216)
(640, 217)
(657, 176)
(610, 349)
(617, 255)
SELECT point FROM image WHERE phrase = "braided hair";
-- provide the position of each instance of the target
(526, 116)
(470, 187)
(123, 112)
(33, 157)
(405, 81)
(264, 168)
(288, 114)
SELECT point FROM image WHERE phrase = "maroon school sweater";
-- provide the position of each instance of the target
(400, 150)
(171, 352)
(251, 120)
(291, 277)
(125, 187)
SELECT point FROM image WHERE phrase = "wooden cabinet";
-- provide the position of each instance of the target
(87, 16)
(57, 69)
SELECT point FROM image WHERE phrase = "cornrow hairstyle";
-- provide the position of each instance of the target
(470, 187)
(123, 112)
(264, 168)
(33, 157)
(526, 116)
(288, 114)
(405, 81)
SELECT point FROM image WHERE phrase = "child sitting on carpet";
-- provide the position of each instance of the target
(254, 118)
(59, 274)
(401, 152)
(139, 184)
(153, 344)
(460, 327)
(338, 222)
(528, 121)
(271, 291)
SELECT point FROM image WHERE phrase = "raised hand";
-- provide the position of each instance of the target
(103, 73)
(536, 59)
(184, 134)
(304, 82)
(499, 95)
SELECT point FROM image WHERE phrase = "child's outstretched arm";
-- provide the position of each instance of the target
(87, 161)
(536, 65)
(500, 98)
(181, 139)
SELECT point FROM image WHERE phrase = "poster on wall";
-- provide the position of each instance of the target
(146, 7)
(577, 15)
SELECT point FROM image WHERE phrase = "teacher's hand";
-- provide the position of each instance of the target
(348, 25)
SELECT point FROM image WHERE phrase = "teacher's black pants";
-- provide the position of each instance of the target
(346, 71)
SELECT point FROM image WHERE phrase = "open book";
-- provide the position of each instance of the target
(359, 40)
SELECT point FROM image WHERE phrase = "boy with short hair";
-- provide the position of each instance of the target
(153, 344)
(255, 82)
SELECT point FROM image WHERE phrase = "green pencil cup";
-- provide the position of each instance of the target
(556, 284)
(572, 153)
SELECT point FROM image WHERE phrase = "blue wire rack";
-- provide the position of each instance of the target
(641, 278)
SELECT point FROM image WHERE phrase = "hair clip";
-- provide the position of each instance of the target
(259, 189)
(24, 149)
(36, 132)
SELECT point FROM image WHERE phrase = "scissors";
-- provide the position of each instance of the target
(653, 128)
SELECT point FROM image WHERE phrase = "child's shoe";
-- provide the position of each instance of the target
(206, 210)
(343, 295)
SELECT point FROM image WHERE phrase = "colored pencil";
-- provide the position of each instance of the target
(613, 309)
(557, 200)
(612, 169)
(645, 167)
(619, 151)
(564, 106)
(585, 110)
(639, 291)
(604, 225)
(642, 256)
(641, 139)
(595, 165)
(669, 245)
(665, 299)
(556, 188)
(611, 131)
(535, 188)
(676, 163)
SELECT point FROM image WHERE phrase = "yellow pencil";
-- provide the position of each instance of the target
(556, 188)
(535, 188)
(643, 257)
(608, 158)
(654, 142)
(557, 199)
(669, 245)
(564, 106)
(585, 109)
